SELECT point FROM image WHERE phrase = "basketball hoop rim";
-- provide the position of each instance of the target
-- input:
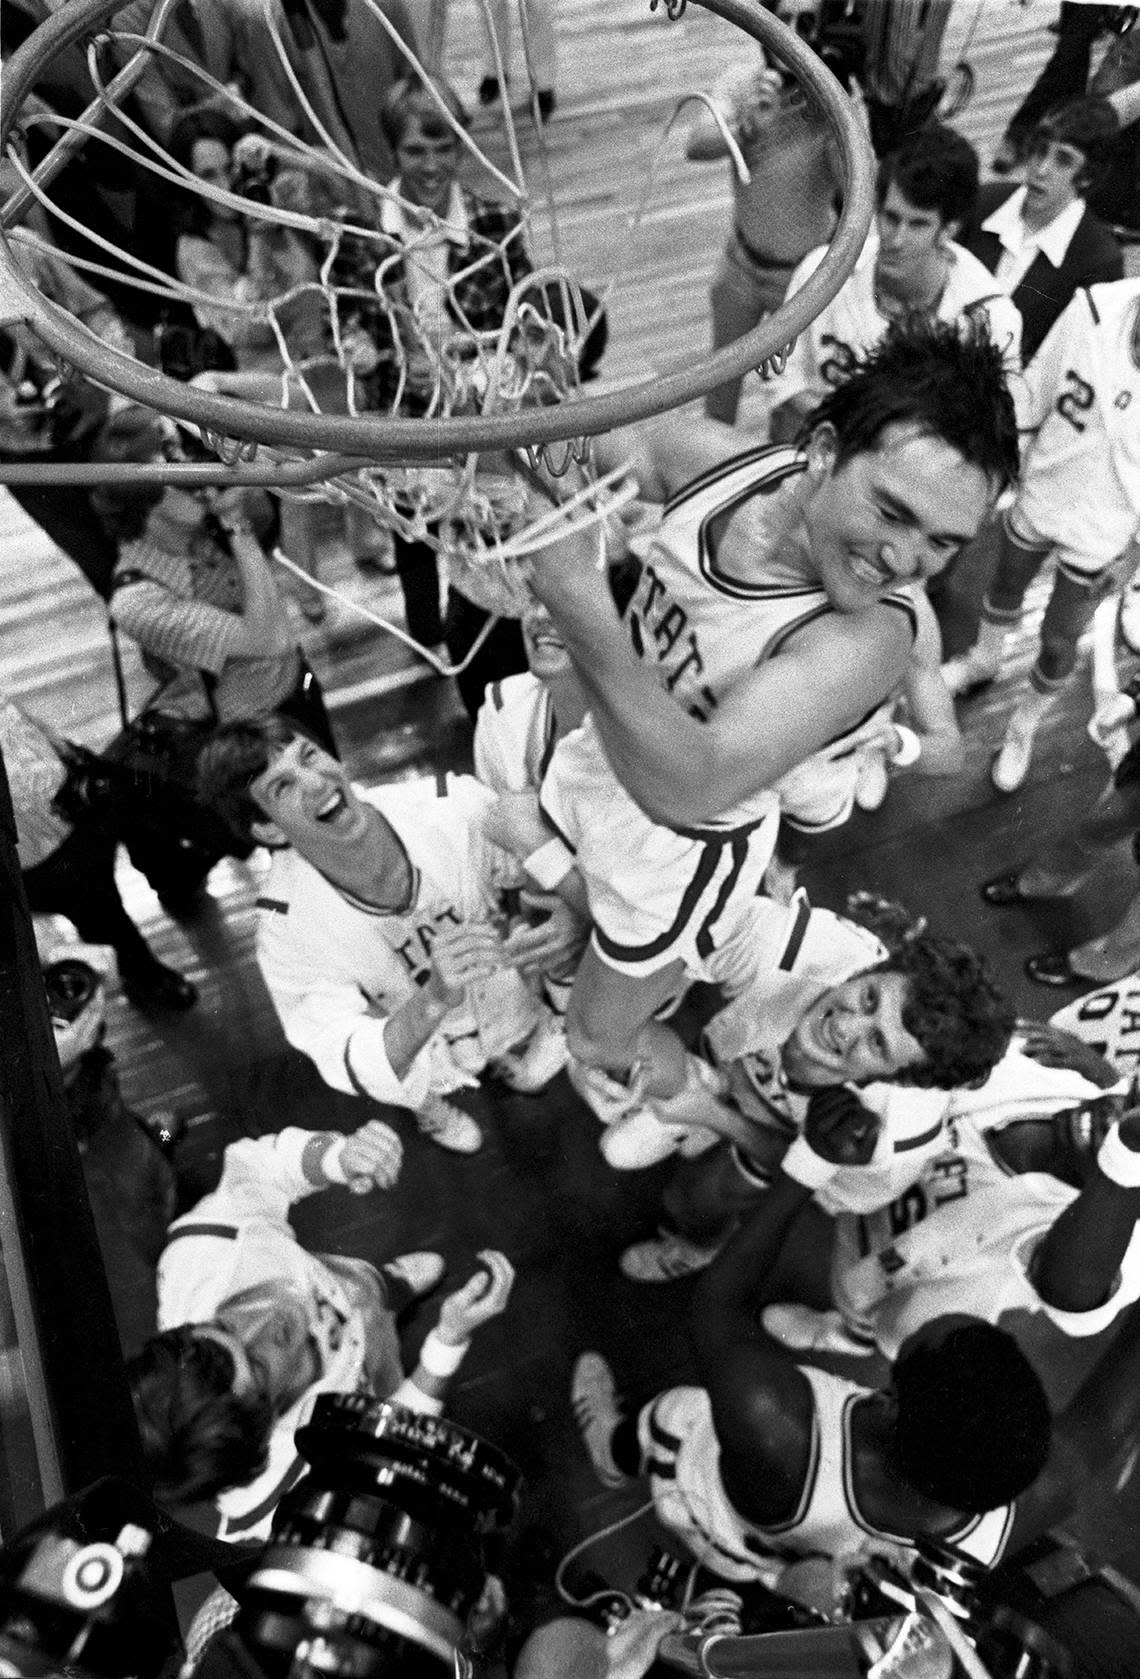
(385, 437)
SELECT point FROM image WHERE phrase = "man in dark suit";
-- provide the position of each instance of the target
(1041, 241)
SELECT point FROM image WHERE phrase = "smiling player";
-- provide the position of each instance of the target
(774, 610)
(378, 933)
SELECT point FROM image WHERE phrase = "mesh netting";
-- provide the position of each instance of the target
(334, 294)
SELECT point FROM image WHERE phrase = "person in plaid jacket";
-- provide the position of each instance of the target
(426, 295)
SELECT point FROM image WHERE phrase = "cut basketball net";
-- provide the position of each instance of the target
(450, 477)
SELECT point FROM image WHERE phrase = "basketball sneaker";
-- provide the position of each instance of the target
(593, 1399)
(540, 1058)
(666, 1258)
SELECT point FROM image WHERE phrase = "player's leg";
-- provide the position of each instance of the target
(1068, 615)
(610, 1024)
(1021, 553)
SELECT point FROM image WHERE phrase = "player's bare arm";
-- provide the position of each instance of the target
(931, 705)
(666, 453)
(684, 772)
(1078, 1262)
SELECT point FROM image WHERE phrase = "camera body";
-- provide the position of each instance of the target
(253, 179)
(379, 1555)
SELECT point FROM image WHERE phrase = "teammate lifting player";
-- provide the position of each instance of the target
(774, 609)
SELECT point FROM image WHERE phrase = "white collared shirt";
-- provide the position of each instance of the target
(426, 239)
(1020, 244)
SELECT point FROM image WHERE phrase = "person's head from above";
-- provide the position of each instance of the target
(1066, 154)
(199, 1434)
(426, 145)
(132, 436)
(929, 1016)
(203, 143)
(925, 191)
(546, 654)
(969, 1421)
(275, 786)
(906, 457)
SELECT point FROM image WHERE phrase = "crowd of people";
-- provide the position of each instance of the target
(875, 1160)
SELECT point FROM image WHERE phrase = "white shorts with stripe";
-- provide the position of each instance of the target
(657, 895)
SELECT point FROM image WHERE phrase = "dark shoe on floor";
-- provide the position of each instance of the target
(1052, 967)
(546, 103)
(1004, 890)
(159, 987)
(489, 90)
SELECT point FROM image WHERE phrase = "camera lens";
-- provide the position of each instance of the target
(379, 1552)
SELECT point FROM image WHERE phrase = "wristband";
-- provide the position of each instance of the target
(1119, 1163)
(806, 1167)
(909, 749)
(331, 1164)
(550, 864)
(442, 1358)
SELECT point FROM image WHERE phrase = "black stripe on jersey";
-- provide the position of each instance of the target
(794, 941)
(277, 905)
(497, 695)
(1093, 310)
(702, 875)
(555, 829)
(920, 1141)
(550, 737)
(739, 849)
(224, 1232)
(441, 784)
(715, 474)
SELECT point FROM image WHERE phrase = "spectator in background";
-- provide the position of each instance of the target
(244, 261)
(900, 72)
(1065, 77)
(1041, 241)
(47, 416)
(910, 266)
(68, 859)
(783, 202)
(194, 587)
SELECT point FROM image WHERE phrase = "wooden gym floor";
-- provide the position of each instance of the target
(540, 1189)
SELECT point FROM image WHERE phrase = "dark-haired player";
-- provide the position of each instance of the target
(769, 1459)
(911, 265)
(772, 611)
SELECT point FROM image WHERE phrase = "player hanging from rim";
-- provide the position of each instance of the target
(773, 611)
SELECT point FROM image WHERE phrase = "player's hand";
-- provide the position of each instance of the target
(839, 1128)
(481, 1298)
(1113, 713)
(461, 956)
(552, 944)
(514, 823)
(371, 1157)
(1050, 1046)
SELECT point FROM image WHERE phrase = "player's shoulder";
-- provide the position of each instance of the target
(1111, 302)
(510, 695)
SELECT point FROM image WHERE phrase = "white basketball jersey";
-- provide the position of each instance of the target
(691, 614)
(1084, 386)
